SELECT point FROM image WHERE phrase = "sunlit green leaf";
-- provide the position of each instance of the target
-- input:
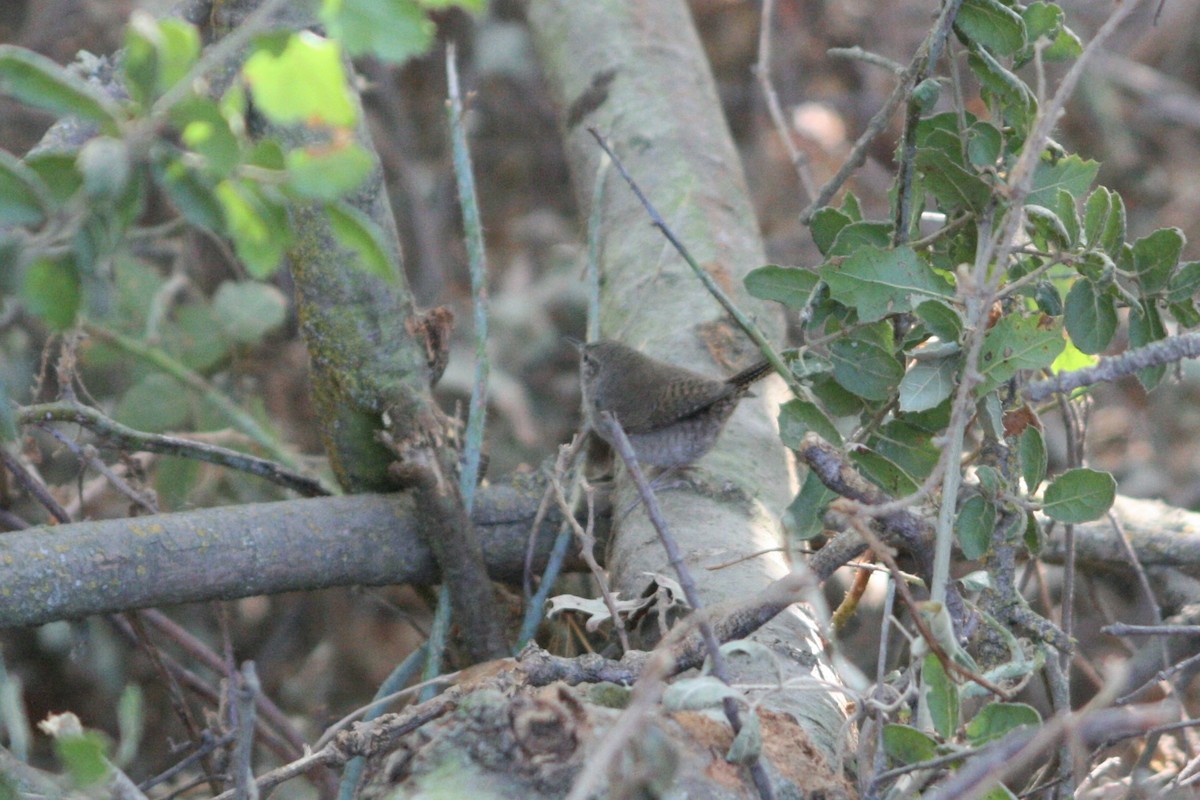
(304, 82)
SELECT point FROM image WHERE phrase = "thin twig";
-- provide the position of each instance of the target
(1165, 351)
(587, 544)
(744, 321)
(616, 435)
(762, 71)
(134, 440)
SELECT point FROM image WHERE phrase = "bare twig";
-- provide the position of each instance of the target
(616, 435)
(1165, 351)
(762, 71)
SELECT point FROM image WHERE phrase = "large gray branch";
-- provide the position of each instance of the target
(71, 571)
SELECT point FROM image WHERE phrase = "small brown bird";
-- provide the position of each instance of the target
(671, 415)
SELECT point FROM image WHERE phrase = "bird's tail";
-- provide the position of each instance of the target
(751, 374)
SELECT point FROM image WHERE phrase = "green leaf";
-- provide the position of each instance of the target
(798, 417)
(191, 194)
(327, 173)
(104, 163)
(907, 745)
(155, 404)
(952, 181)
(992, 24)
(249, 310)
(1079, 495)
(1042, 20)
(158, 54)
(974, 526)
(1069, 173)
(857, 235)
(942, 696)
(205, 130)
(8, 425)
(792, 286)
(1044, 223)
(1048, 300)
(1067, 46)
(1071, 359)
(1104, 220)
(928, 383)
(39, 82)
(805, 517)
(1090, 316)
(175, 481)
(58, 172)
(1016, 343)
(826, 223)
(865, 368)
(908, 445)
(884, 472)
(1145, 327)
(23, 196)
(84, 756)
(303, 82)
(51, 290)
(996, 720)
(259, 228)
(131, 722)
(197, 339)
(834, 399)
(1155, 257)
(1034, 459)
(879, 282)
(747, 745)
(1066, 209)
(996, 80)
(393, 30)
(1184, 283)
(942, 320)
(357, 233)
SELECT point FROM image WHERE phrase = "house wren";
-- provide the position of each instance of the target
(671, 415)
